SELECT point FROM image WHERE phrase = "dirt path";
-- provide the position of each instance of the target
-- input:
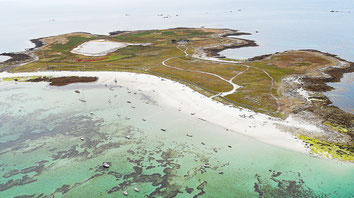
(235, 86)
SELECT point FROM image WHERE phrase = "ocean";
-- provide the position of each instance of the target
(149, 146)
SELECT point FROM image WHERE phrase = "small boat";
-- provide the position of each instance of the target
(91, 113)
(133, 107)
(136, 189)
(125, 193)
(82, 139)
(128, 137)
(189, 135)
(129, 101)
(83, 98)
(229, 146)
(206, 166)
(163, 129)
(143, 119)
(105, 165)
(77, 91)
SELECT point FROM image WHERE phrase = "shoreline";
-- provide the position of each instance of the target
(178, 96)
(316, 109)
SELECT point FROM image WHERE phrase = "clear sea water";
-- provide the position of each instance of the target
(343, 94)
(41, 152)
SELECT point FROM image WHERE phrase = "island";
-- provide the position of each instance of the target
(281, 85)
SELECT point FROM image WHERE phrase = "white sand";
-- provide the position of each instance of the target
(101, 47)
(173, 94)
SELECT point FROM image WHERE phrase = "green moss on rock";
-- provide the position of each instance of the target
(330, 150)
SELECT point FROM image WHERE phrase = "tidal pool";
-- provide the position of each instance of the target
(343, 94)
(41, 152)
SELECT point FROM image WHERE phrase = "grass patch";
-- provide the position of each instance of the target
(73, 42)
(21, 78)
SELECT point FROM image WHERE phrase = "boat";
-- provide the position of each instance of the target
(189, 135)
(163, 129)
(83, 98)
(105, 165)
(82, 139)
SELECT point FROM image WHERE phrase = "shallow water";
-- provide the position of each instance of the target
(343, 94)
(4, 58)
(41, 150)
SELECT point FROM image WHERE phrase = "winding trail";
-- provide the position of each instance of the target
(235, 86)
(223, 94)
(271, 85)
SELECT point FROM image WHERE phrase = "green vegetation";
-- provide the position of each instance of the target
(72, 43)
(339, 128)
(330, 150)
(21, 79)
(257, 91)
(260, 81)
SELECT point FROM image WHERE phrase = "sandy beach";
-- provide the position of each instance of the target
(172, 94)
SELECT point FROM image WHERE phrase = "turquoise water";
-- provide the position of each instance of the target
(41, 152)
